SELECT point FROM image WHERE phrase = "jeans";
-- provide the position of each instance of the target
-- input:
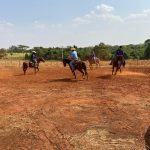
(72, 64)
(34, 62)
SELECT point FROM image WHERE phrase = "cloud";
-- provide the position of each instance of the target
(44, 26)
(6, 28)
(4, 24)
(103, 8)
(59, 25)
(81, 20)
(40, 26)
(138, 16)
(102, 12)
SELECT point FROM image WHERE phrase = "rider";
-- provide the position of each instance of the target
(33, 58)
(93, 56)
(74, 58)
(119, 52)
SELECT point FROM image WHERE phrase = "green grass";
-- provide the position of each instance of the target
(16, 55)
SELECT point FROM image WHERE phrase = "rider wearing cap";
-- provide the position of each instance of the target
(74, 58)
(119, 52)
(33, 57)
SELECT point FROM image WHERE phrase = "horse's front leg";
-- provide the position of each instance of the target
(112, 70)
(74, 74)
(35, 70)
(90, 65)
(116, 70)
(24, 70)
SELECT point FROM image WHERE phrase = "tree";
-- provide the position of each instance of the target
(23, 47)
(147, 51)
(102, 51)
(147, 42)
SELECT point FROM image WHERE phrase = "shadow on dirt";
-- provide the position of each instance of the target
(147, 139)
(22, 74)
(105, 77)
(64, 80)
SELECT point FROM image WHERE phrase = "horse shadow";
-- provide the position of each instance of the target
(105, 77)
(63, 80)
(22, 74)
(147, 139)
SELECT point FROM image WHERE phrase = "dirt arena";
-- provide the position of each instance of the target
(52, 111)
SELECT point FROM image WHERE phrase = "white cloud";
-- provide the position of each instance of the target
(81, 20)
(4, 24)
(59, 25)
(104, 8)
(40, 26)
(102, 12)
(44, 26)
(139, 16)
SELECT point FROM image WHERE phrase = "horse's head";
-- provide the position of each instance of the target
(66, 61)
(41, 59)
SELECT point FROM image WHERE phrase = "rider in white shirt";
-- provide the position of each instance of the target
(74, 58)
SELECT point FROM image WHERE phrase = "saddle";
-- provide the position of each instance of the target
(31, 64)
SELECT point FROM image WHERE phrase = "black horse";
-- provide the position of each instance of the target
(117, 63)
(25, 65)
(79, 65)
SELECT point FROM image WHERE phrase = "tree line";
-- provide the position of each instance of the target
(102, 51)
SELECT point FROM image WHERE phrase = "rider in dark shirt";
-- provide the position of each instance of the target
(119, 52)
(33, 58)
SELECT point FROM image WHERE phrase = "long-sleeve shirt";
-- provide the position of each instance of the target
(119, 52)
(74, 55)
(33, 57)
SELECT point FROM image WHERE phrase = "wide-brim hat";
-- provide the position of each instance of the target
(73, 49)
(33, 51)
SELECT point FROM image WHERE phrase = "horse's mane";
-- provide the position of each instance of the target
(66, 60)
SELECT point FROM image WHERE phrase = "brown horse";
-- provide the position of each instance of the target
(25, 65)
(117, 63)
(92, 61)
(79, 65)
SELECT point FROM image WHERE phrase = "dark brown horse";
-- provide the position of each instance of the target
(27, 65)
(79, 65)
(117, 63)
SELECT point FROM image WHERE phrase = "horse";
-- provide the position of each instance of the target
(93, 60)
(117, 63)
(79, 65)
(26, 65)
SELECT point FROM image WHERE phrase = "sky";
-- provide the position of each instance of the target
(51, 23)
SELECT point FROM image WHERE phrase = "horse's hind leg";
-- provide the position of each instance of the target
(24, 70)
(82, 73)
(35, 70)
(86, 74)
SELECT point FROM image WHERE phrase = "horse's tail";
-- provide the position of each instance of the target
(85, 69)
(24, 67)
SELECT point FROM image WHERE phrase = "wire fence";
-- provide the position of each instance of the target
(18, 63)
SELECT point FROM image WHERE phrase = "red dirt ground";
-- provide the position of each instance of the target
(52, 111)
